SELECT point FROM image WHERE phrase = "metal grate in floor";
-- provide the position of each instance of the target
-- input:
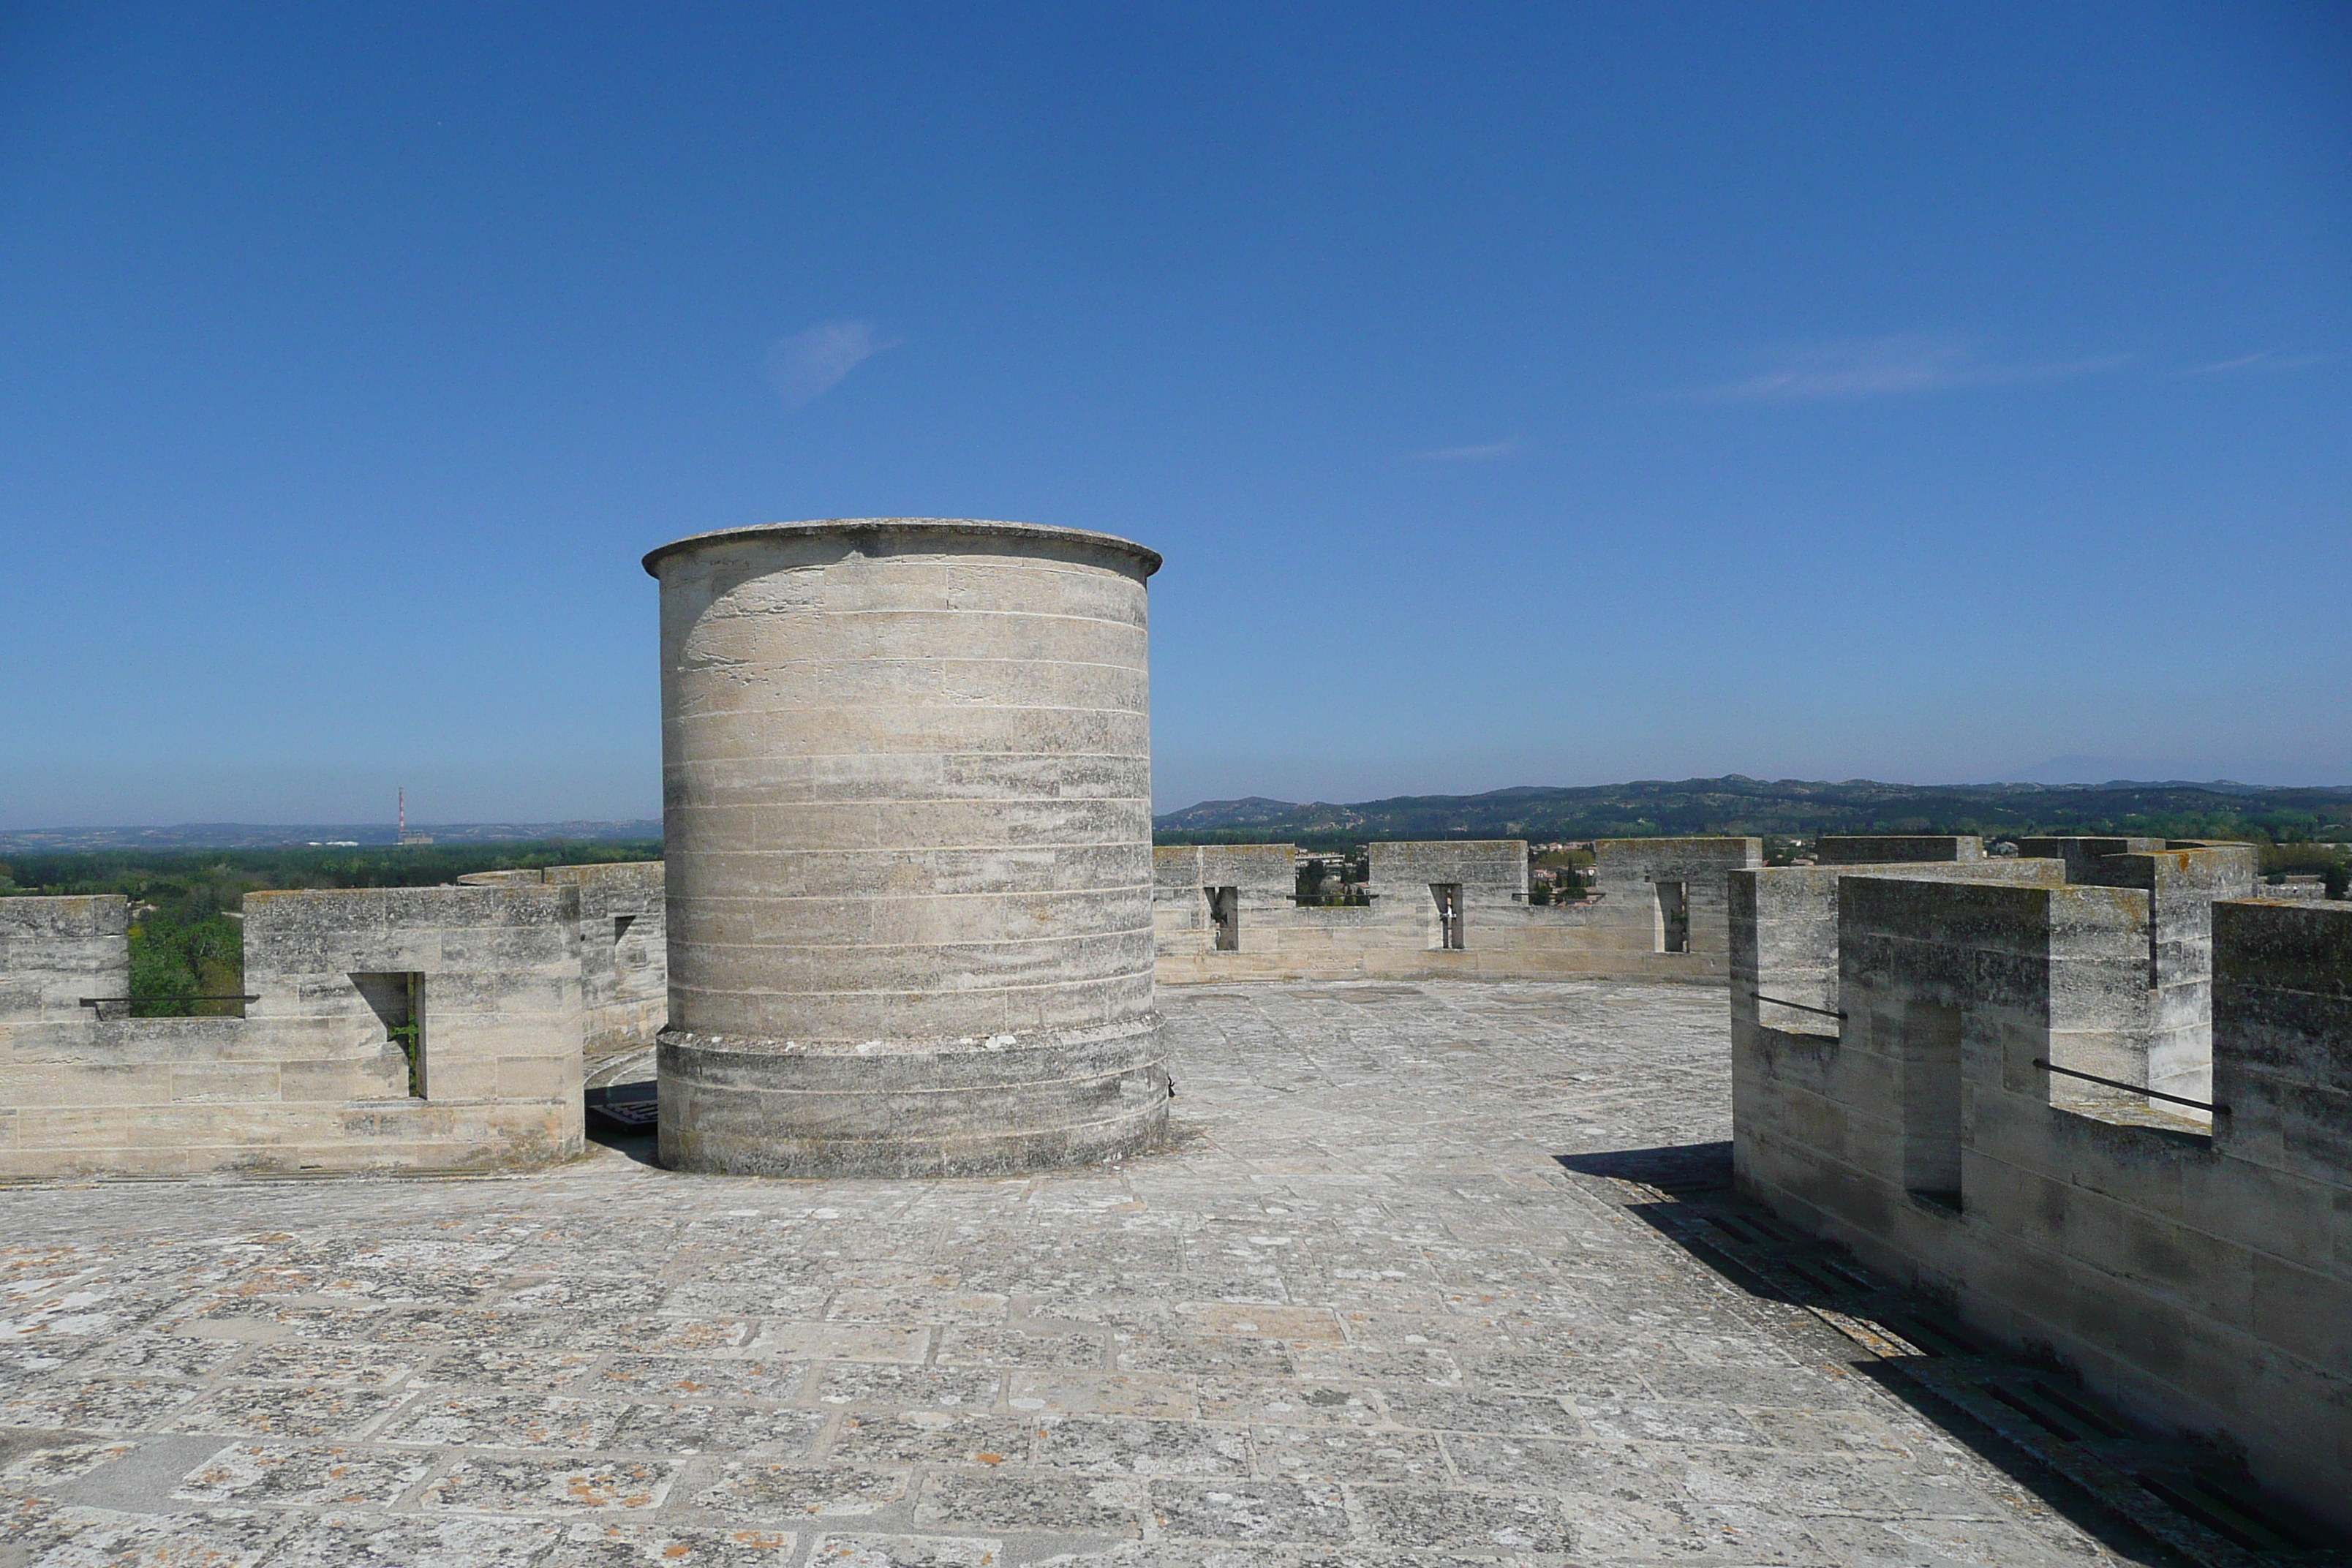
(630, 1107)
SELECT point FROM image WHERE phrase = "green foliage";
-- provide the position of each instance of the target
(160, 972)
(2331, 862)
(183, 952)
(406, 1037)
(2300, 858)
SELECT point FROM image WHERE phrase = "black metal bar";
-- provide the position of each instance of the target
(2047, 1066)
(1799, 1006)
(110, 1001)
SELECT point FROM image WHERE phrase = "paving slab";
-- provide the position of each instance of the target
(1356, 1313)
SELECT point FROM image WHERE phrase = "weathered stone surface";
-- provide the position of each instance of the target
(502, 986)
(1357, 1315)
(907, 773)
(1227, 911)
(623, 948)
(1887, 849)
(2186, 1260)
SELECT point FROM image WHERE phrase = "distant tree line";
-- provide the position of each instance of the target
(1785, 809)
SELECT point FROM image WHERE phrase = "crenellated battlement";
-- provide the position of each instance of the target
(2099, 1097)
(403, 1028)
(1448, 906)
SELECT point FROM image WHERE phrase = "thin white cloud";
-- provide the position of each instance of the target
(1483, 454)
(1895, 366)
(2267, 360)
(807, 365)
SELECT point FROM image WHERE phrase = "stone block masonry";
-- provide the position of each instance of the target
(907, 770)
(54, 952)
(2192, 1264)
(487, 980)
(623, 946)
(1442, 908)
(1861, 850)
(312, 1078)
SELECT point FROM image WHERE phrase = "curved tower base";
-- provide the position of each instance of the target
(891, 1107)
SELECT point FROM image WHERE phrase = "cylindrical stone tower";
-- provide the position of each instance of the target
(907, 781)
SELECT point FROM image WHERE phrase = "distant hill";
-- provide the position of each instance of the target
(1794, 807)
(2083, 772)
(250, 835)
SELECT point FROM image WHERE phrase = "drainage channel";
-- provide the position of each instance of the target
(2186, 1495)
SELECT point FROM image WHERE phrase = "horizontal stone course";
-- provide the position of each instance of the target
(895, 810)
(520, 973)
(2174, 1254)
(1622, 931)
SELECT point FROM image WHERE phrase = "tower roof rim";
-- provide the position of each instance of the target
(984, 528)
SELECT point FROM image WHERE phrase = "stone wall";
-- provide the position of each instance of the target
(1783, 931)
(54, 952)
(310, 1078)
(1625, 931)
(1890, 849)
(623, 946)
(2191, 1266)
(2171, 1022)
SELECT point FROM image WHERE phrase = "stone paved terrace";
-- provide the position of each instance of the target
(1359, 1315)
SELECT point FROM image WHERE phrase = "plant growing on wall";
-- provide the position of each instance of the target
(405, 1035)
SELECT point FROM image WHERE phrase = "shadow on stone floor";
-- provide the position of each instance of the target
(621, 1117)
(2151, 1497)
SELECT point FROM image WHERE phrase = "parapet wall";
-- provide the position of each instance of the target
(54, 952)
(1892, 849)
(623, 946)
(1442, 908)
(492, 980)
(2190, 1265)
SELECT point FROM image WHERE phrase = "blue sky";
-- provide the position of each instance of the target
(1519, 395)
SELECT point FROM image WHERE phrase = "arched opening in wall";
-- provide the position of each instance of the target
(1931, 1103)
(1448, 897)
(1674, 917)
(1224, 919)
(397, 999)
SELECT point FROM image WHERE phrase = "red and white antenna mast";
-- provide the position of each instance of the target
(405, 836)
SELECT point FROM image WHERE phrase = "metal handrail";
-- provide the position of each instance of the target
(1799, 1006)
(114, 1009)
(207, 996)
(2048, 1065)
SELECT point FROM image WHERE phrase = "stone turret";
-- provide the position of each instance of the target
(906, 803)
